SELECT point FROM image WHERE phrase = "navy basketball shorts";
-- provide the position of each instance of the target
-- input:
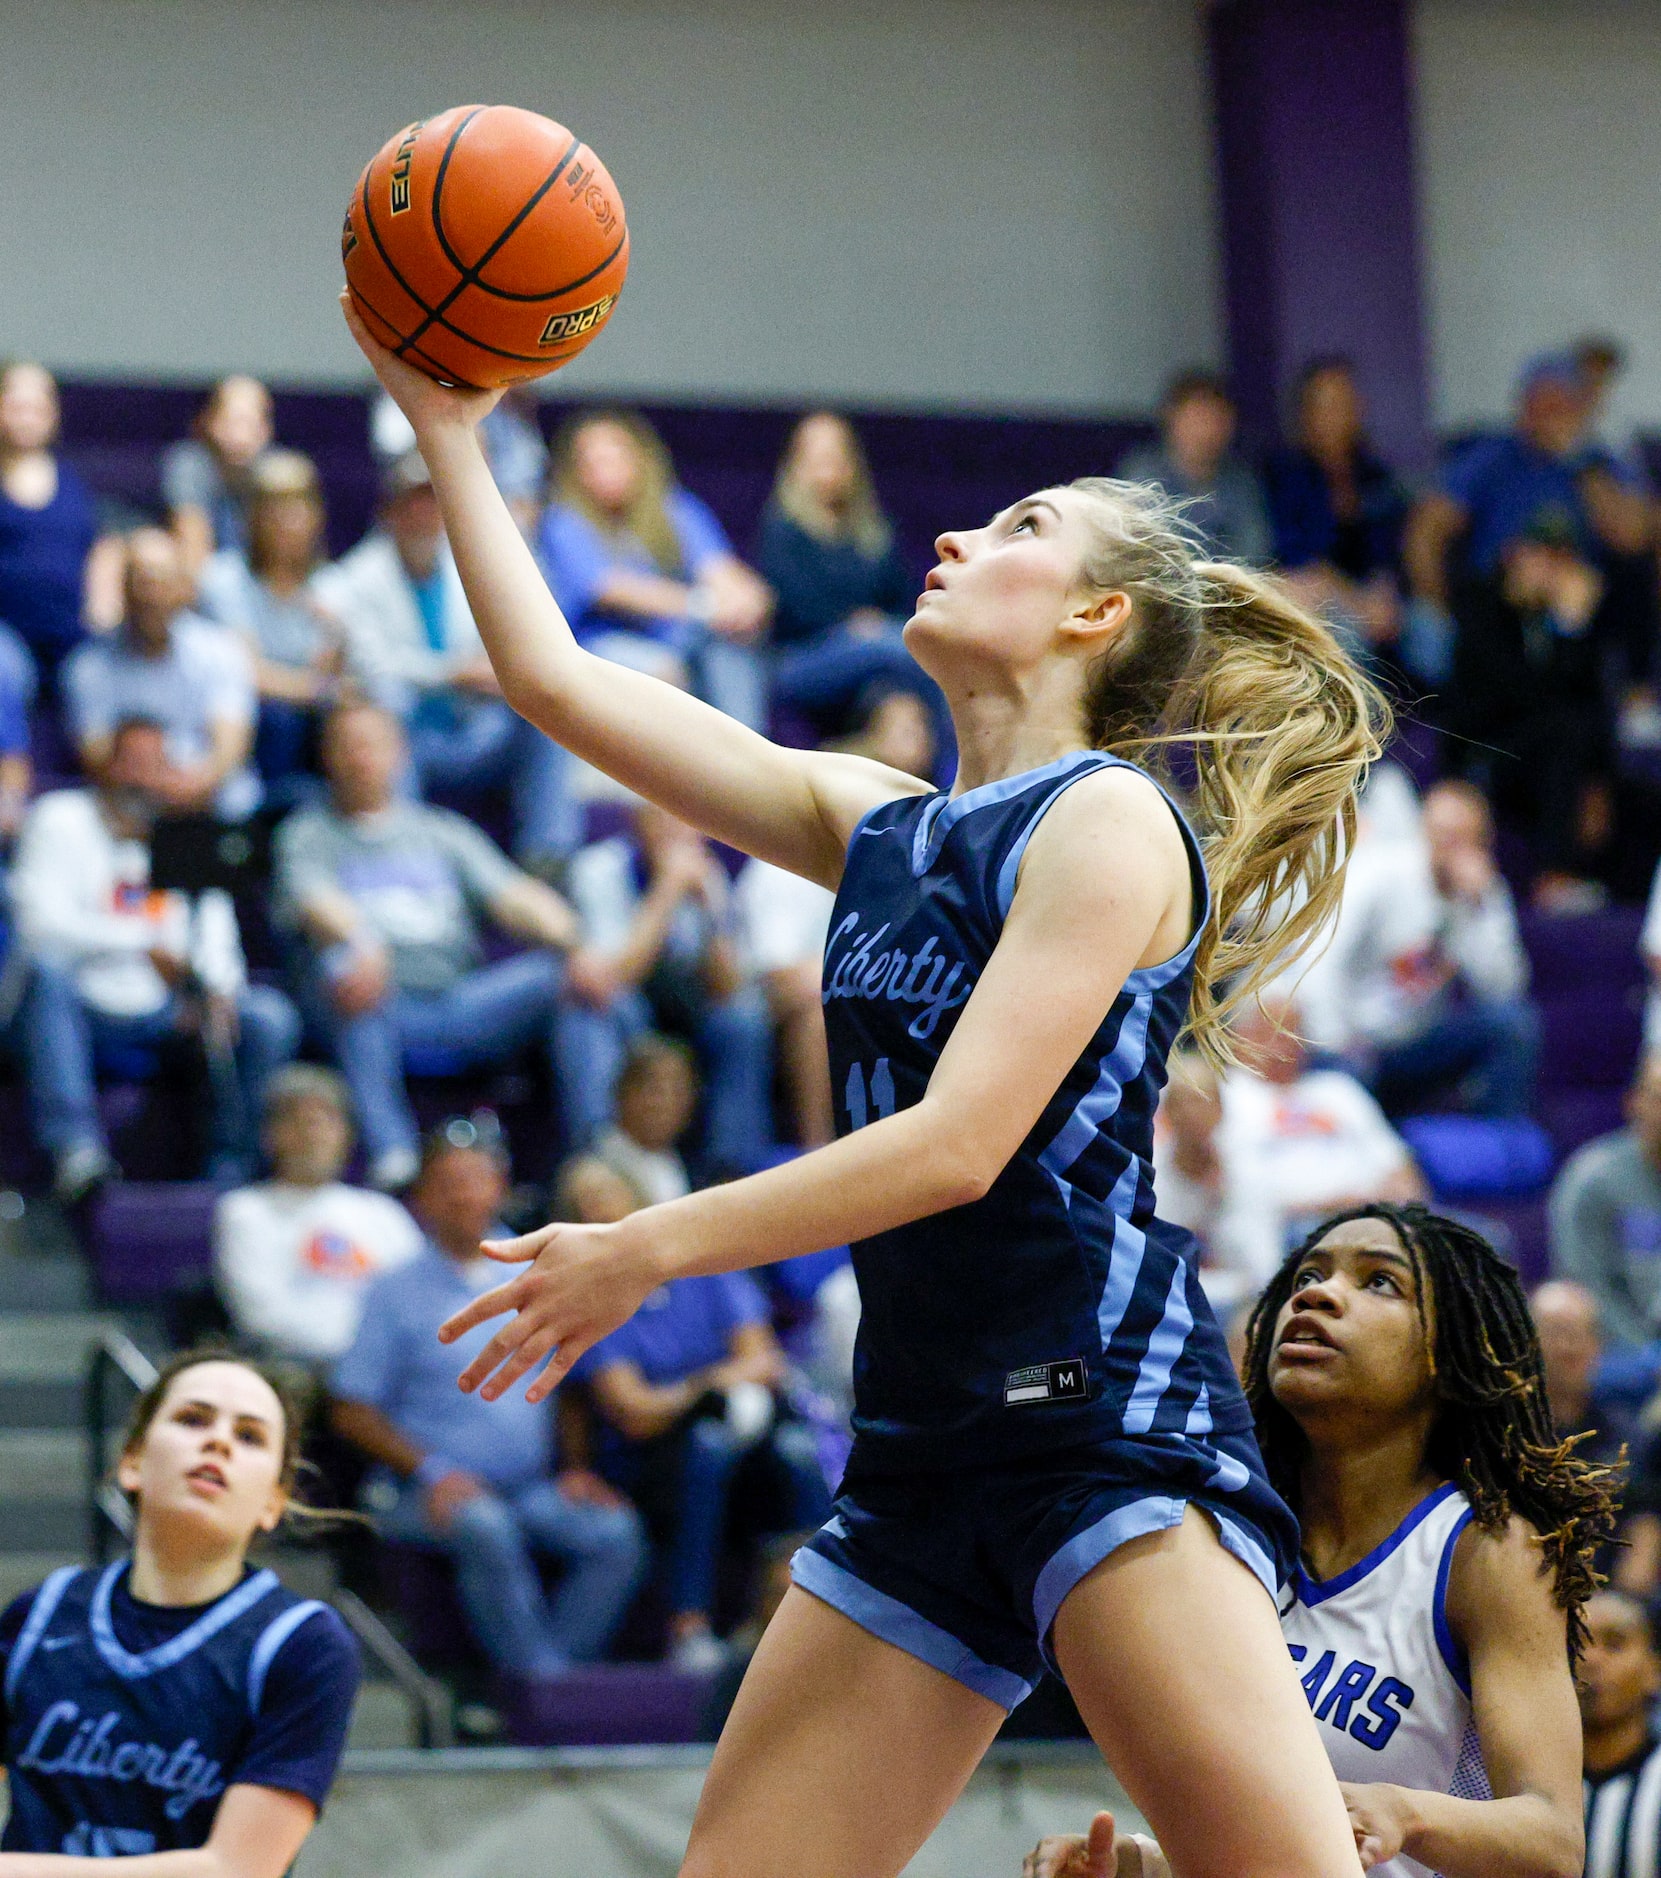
(966, 1570)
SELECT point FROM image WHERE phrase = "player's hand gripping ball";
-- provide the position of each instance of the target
(485, 246)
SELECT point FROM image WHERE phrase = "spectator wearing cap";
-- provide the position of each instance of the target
(387, 900)
(115, 965)
(58, 574)
(169, 666)
(1194, 460)
(206, 477)
(690, 1388)
(266, 592)
(412, 646)
(481, 1481)
(1605, 1213)
(294, 1255)
(1528, 700)
(1546, 466)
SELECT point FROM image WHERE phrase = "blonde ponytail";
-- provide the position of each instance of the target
(1280, 722)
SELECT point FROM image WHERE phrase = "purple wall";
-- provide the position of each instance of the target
(1313, 104)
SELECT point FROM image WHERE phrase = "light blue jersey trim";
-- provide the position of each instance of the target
(900, 1625)
(1314, 1591)
(1164, 1351)
(944, 813)
(47, 1600)
(272, 1639)
(1124, 1265)
(1122, 1065)
(213, 1620)
(1008, 873)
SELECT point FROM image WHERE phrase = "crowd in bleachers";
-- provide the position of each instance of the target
(438, 892)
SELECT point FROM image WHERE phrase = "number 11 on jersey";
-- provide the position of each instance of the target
(880, 1098)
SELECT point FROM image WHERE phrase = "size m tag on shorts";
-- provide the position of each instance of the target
(1066, 1381)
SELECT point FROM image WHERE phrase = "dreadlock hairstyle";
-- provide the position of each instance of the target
(1493, 1435)
(1279, 722)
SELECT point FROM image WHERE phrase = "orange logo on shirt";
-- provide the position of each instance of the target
(333, 1255)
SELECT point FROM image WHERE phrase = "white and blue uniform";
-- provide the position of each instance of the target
(1389, 1685)
(124, 1722)
(1038, 1377)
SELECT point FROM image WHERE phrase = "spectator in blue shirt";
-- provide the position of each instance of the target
(479, 1480)
(56, 574)
(1337, 510)
(691, 1385)
(643, 570)
(1195, 461)
(843, 591)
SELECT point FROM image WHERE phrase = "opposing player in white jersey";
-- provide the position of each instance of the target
(1447, 1551)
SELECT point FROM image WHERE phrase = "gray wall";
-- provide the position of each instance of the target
(961, 202)
(1540, 179)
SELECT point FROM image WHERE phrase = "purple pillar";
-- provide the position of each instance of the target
(1314, 112)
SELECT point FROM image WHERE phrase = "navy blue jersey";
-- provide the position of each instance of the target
(125, 1722)
(1056, 1310)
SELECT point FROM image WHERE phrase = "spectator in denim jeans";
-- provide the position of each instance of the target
(480, 1480)
(643, 570)
(689, 1385)
(115, 964)
(386, 897)
(657, 906)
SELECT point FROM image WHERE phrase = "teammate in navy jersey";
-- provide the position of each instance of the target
(1052, 1460)
(178, 1709)
(1401, 1407)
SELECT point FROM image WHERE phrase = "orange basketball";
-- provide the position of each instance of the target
(486, 245)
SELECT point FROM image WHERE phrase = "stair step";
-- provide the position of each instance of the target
(50, 1346)
(42, 1464)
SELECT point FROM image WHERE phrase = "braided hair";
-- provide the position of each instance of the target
(1493, 1435)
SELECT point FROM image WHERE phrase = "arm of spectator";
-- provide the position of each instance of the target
(640, 1410)
(102, 600)
(1484, 943)
(230, 739)
(1587, 1246)
(371, 1431)
(642, 945)
(753, 1355)
(216, 945)
(1621, 513)
(16, 777)
(795, 808)
(529, 909)
(1433, 524)
(193, 530)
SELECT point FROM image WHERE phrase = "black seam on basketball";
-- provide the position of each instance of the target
(470, 275)
(404, 348)
(555, 293)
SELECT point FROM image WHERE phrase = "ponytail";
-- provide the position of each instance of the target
(1280, 722)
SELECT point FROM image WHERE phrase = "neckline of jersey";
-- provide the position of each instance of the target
(942, 813)
(223, 1611)
(1319, 1590)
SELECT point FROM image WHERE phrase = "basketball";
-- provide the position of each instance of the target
(486, 245)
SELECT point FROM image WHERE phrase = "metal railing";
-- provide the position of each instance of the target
(118, 1371)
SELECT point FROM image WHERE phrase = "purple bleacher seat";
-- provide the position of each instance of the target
(146, 1239)
(1584, 953)
(1572, 1117)
(606, 1705)
(1591, 1040)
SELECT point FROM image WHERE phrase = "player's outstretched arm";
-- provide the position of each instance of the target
(1103, 888)
(1500, 1607)
(257, 1833)
(793, 807)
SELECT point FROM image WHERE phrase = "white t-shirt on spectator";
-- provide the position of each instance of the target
(293, 1263)
(656, 1174)
(1395, 945)
(1291, 1152)
(84, 903)
(782, 918)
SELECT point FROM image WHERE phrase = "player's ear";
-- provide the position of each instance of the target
(271, 1515)
(1097, 617)
(127, 1471)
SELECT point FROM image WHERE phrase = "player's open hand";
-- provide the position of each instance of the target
(427, 404)
(1102, 1853)
(581, 1282)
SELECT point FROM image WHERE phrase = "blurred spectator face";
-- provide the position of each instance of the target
(156, 586)
(363, 753)
(237, 423)
(1566, 1322)
(822, 459)
(596, 1194)
(1619, 1675)
(458, 1197)
(285, 533)
(1643, 1106)
(28, 409)
(1553, 413)
(1193, 1109)
(137, 764)
(416, 524)
(1601, 362)
(607, 465)
(1267, 1041)
(1330, 412)
(898, 732)
(308, 1139)
(1199, 427)
(655, 1099)
(1459, 836)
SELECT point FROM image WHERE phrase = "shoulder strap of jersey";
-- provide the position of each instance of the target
(1459, 1664)
(272, 1639)
(47, 1600)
